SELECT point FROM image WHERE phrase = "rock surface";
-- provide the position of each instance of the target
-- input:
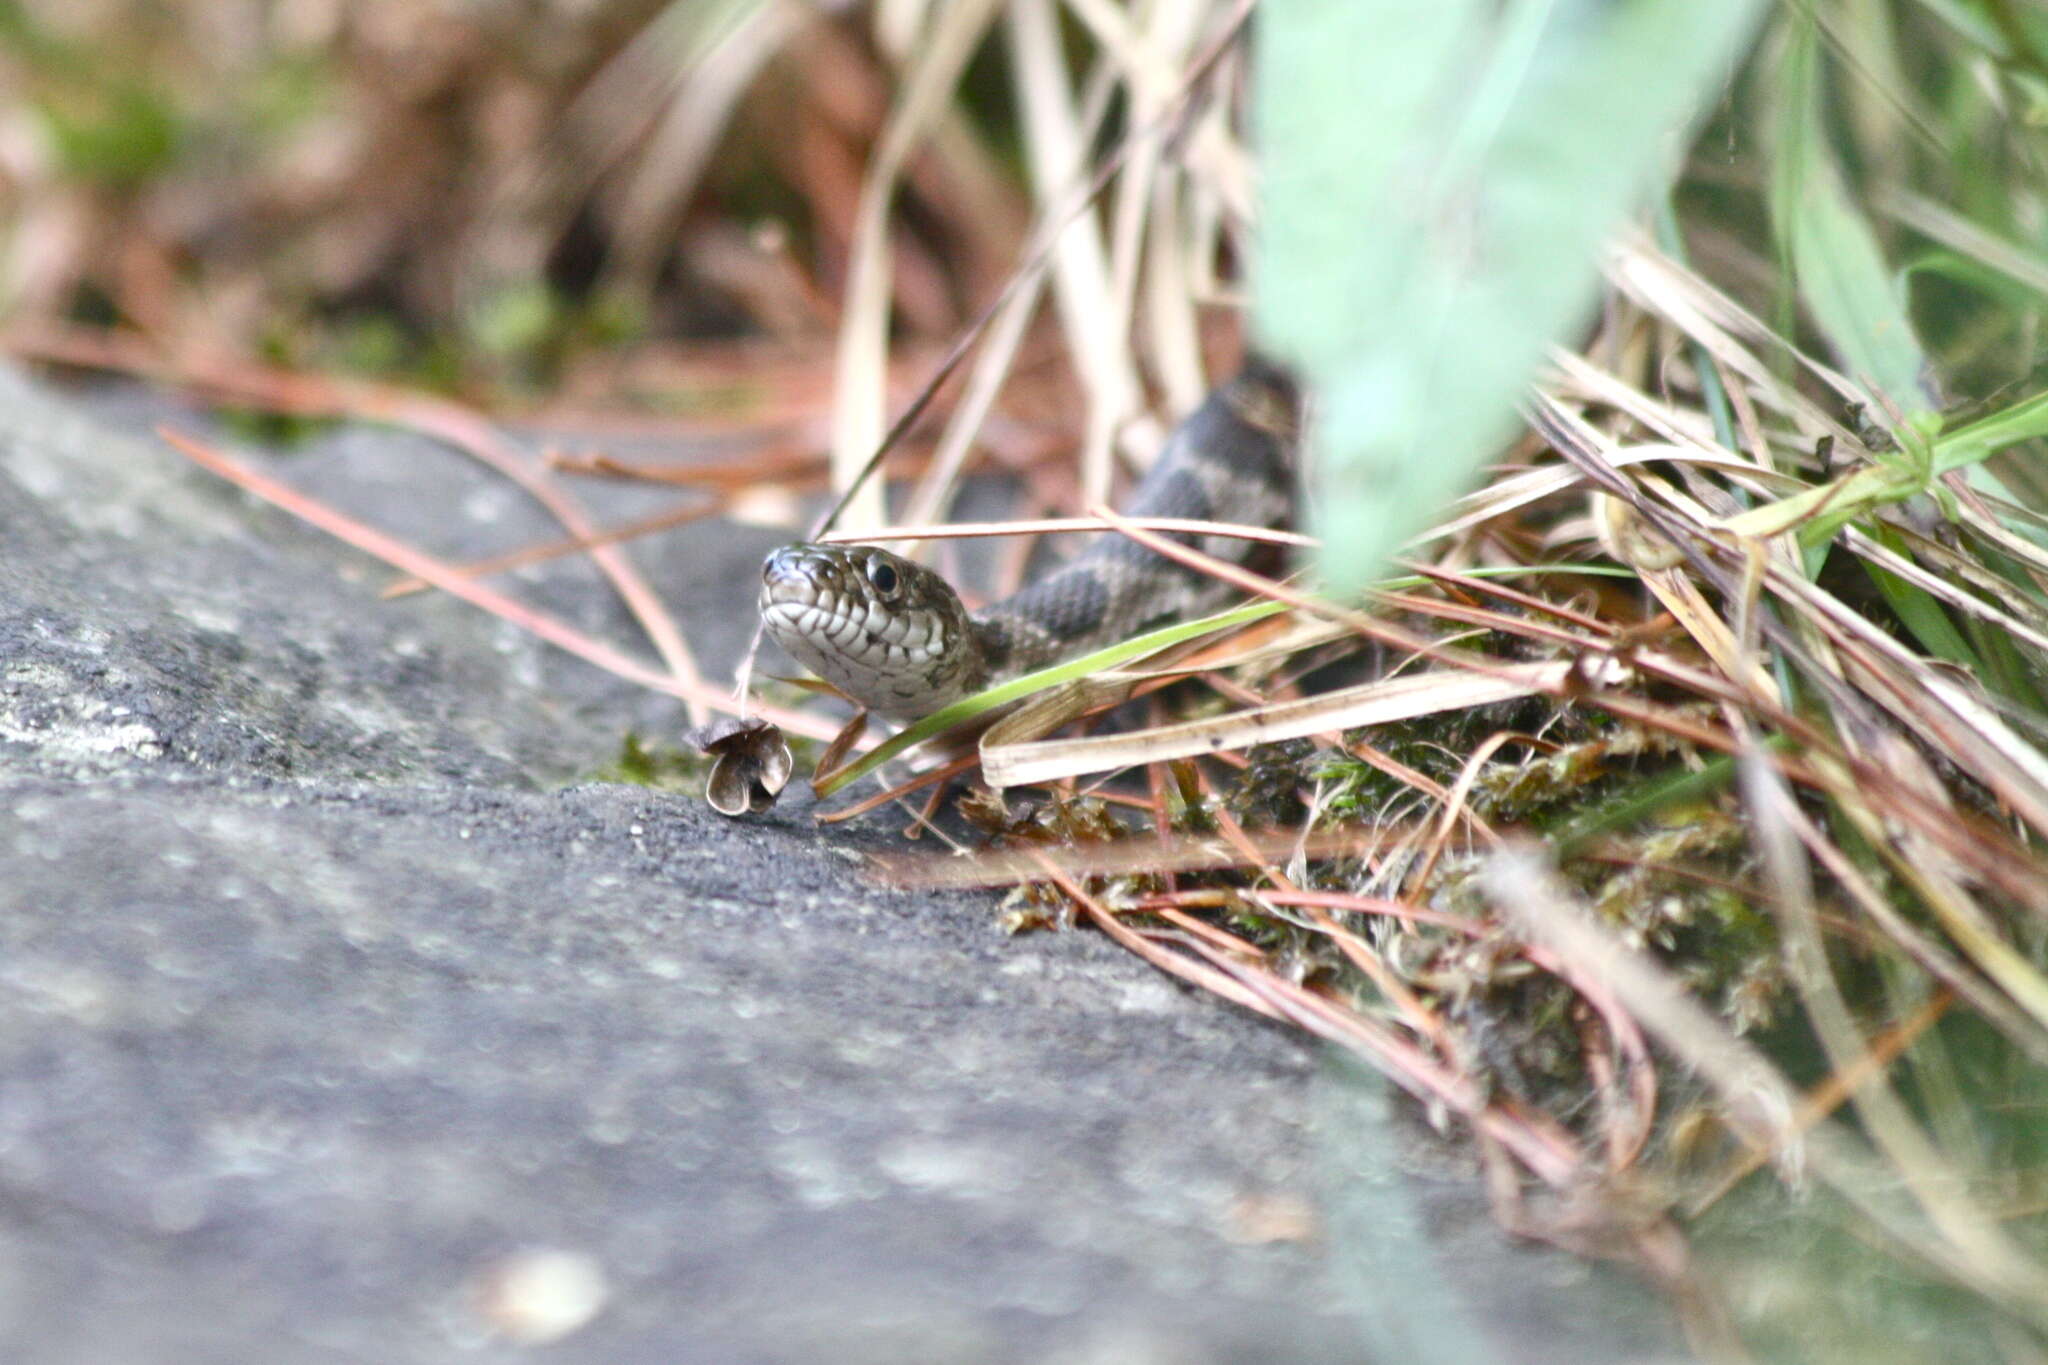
(345, 1018)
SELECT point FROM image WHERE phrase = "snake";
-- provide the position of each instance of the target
(894, 637)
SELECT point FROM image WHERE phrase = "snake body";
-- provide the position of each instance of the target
(894, 636)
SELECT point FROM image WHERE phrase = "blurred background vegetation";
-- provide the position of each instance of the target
(447, 188)
(1826, 316)
(466, 192)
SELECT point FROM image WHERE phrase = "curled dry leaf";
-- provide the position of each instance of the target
(751, 764)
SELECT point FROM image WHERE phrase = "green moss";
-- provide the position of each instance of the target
(666, 769)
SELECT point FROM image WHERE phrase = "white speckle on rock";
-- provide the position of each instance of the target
(1149, 996)
(82, 736)
(944, 1165)
(535, 1297)
(208, 616)
(488, 505)
(609, 1127)
(816, 1175)
(59, 989)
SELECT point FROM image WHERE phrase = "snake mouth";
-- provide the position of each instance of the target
(807, 603)
(803, 628)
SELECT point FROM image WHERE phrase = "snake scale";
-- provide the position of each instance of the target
(894, 636)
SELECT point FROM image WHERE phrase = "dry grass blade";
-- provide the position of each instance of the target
(1828, 1097)
(1541, 1146)
(1759, 1103)
(1375, 703)
(1128, 857)
(1945, 225)
(706, 86)
(283, 391)
(457, 583)
(1935, 585)
(1056, 525)
(541, 554)
(1780, 829)
(1058, 155)
(1009, 314)
(1667, 289)
(863, 336)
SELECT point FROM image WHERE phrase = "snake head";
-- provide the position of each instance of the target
(890, 634)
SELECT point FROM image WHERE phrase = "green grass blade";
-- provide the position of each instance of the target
(1925, 618)
(1819, 512)
(1016, 689)
(2023, 421)
(1151, 642)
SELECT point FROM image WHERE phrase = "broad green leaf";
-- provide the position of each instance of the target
(1438, 182)
(1841, 274)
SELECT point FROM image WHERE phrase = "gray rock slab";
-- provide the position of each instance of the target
(342, 1019)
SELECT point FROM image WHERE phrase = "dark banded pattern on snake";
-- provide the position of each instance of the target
(894, 636)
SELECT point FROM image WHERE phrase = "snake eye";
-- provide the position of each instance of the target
(884, 578)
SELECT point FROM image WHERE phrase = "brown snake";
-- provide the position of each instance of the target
(894, 636)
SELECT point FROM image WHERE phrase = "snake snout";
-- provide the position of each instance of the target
(795, 573)
(782, 564)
